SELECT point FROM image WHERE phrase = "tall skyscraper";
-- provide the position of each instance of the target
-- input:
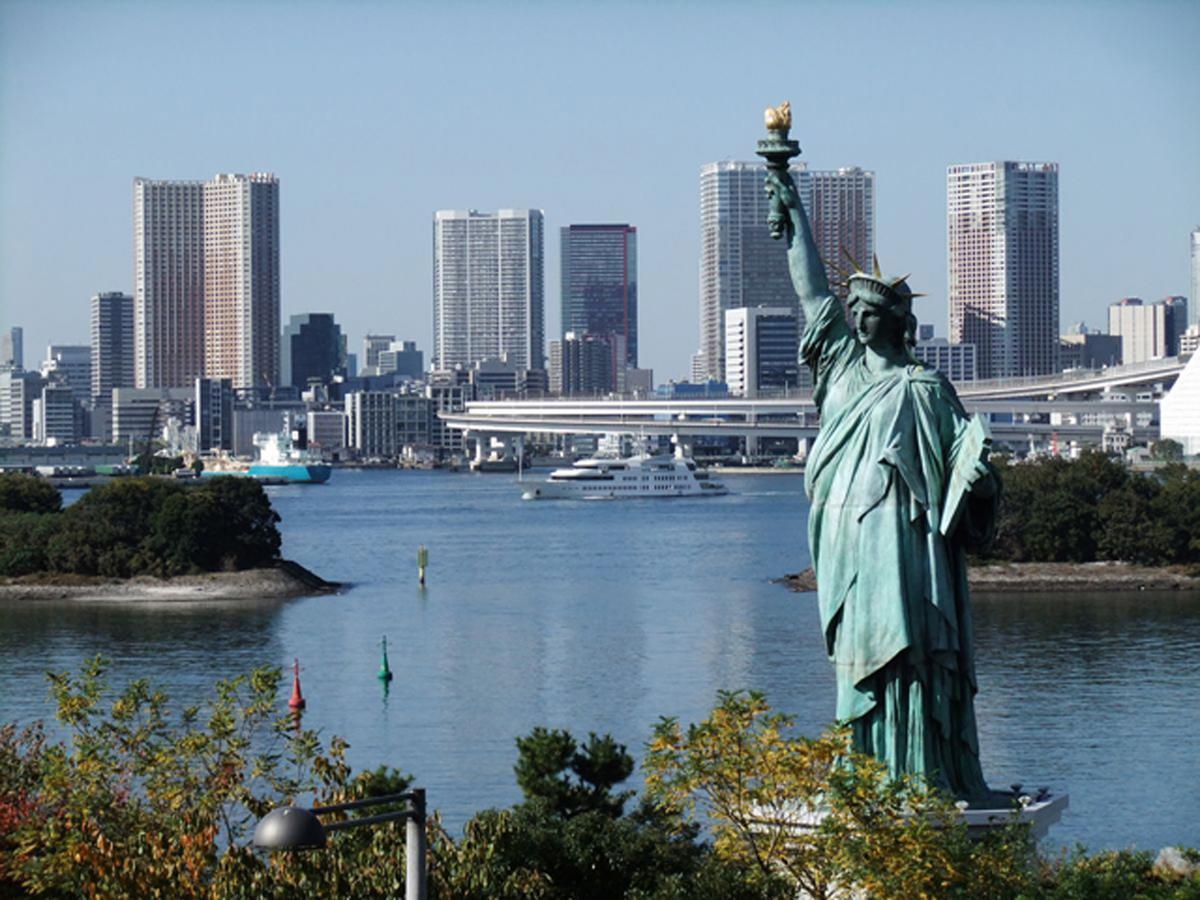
(841, 210)
(313, 348)
(206, 280)
(488, 287)
(12, 349)
(241, 279)
(741, 265)
(1194, 309)
(113, 350)
(168, 282)
(599, 283)
(1002, 234)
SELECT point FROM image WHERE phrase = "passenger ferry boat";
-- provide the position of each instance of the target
(635, 477)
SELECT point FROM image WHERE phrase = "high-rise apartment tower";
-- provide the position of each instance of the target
(741, 265)
(168, 282)
(206, 280)
(599, 283)
(241, 279)
(1002, 234)
(488, 287)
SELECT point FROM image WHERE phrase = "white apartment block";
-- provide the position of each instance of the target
(1002, 236)
(761, 350)
(955, 361)
(206, 280)
(741, 265)
(488, 287)
(241, 279)
(1147, 330)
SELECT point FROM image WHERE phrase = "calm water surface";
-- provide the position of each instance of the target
(605, 616)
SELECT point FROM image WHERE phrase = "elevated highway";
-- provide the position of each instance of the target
(1071, 406)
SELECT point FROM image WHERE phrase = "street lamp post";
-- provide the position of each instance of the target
(297, 828)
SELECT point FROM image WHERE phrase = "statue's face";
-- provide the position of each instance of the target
(874, 327)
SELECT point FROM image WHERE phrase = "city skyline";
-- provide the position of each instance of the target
(634, 144)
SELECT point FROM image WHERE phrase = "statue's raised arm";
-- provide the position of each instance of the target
(787, 218)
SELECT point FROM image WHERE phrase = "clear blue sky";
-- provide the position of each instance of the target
(373, 115)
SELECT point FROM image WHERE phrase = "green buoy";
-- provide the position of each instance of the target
(385, 672)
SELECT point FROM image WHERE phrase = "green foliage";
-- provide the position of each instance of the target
(144, 799)
(21, 493)
(1055, 510)
(572, 779)
(148, 463)
(25, 541)
(147, 526)
(1167, 449)
(811, 810)
(572, 839)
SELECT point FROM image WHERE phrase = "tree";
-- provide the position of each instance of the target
(570, 838)
(1167, 450)
(571, 778)
(27, 493)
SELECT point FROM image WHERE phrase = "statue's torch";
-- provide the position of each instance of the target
(778, 150)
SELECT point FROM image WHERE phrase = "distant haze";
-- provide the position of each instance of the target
(374, 115)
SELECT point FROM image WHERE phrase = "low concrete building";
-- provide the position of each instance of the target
(956, 361)
(57, 415)
(371, 424)
(139, 414)
(326, 431)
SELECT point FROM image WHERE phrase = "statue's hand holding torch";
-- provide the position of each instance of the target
(782, 197)
(777, 149)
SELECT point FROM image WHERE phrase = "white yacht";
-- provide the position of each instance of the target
(635, 477)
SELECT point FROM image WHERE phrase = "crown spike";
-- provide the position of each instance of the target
(853, 261)
(875, 266)
(831, 264)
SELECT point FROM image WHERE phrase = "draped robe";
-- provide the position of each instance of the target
(892, 590)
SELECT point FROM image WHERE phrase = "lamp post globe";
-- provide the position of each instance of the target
(289, 828)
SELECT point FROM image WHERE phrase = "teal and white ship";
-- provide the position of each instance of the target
(279, 461)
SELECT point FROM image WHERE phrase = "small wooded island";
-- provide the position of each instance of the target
(145, 538)
(1089, 524)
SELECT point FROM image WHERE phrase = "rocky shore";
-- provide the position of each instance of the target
(283, 580)
(1007, 578)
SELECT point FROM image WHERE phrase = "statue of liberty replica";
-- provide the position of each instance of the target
(900, 489)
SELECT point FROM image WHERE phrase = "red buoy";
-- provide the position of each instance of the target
(297, 701)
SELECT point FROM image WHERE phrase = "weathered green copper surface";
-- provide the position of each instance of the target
(892, 588)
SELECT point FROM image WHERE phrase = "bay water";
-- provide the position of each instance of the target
(604, 616)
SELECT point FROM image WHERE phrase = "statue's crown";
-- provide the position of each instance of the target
(875, 288)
